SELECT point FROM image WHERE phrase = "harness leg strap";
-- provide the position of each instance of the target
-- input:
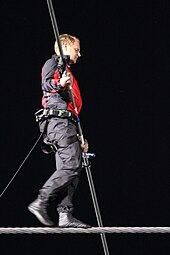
(48, 147)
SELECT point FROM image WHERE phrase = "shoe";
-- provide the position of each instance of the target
(66, 220)
(39, 209)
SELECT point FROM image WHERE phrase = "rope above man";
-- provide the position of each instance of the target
(60, 132)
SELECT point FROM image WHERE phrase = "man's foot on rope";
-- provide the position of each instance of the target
(66, 220)
(39, 209)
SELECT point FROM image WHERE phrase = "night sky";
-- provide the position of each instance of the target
(124, 76)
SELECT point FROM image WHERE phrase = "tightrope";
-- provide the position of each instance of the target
(93, 230)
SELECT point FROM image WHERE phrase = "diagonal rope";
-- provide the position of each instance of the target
(93, 230)
(21, 166)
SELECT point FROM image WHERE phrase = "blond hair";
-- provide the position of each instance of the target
(65, 38)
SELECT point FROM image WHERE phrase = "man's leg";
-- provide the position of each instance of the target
(68, 164)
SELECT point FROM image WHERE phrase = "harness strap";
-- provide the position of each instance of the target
(60, 113)
(66, 141)
(48, 147)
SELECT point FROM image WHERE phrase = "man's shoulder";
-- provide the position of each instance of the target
(51, 62)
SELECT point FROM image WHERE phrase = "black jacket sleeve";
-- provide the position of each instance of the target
(48, 84)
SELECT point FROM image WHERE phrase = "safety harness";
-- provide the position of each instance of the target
(42, 116)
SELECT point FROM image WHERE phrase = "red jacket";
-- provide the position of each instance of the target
(53, 95)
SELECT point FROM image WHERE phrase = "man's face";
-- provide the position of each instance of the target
(73, 51)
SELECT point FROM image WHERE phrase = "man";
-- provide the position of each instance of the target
(58, 125)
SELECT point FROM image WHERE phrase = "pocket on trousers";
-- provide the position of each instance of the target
(57, 128)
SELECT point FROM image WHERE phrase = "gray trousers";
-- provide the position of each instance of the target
(63, 182)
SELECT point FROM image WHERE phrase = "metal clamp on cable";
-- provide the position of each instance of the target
(88, 155)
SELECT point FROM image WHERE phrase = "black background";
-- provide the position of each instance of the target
(124, 79)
